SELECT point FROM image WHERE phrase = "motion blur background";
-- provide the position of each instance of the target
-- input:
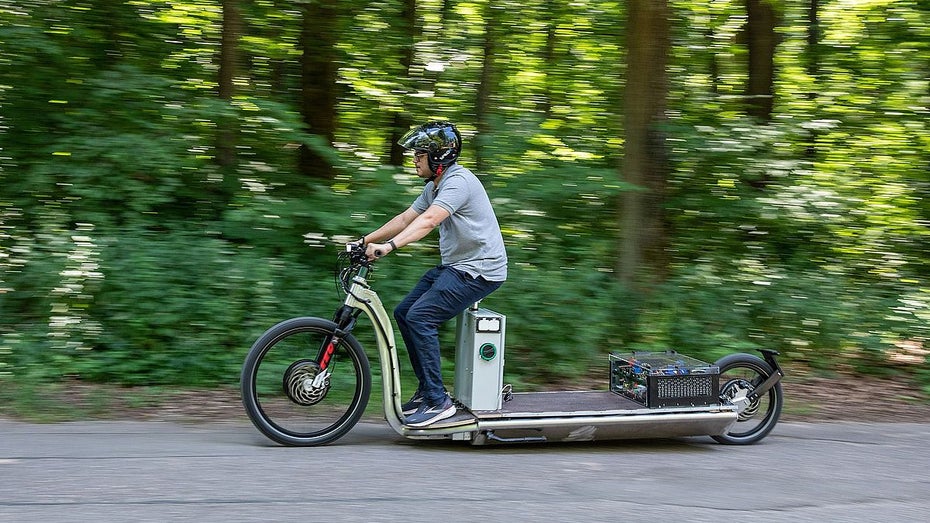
(704, 175)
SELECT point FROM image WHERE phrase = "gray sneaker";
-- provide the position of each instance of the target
(428, 414)
(411, 406)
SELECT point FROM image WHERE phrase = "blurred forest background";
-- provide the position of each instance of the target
(711, 176)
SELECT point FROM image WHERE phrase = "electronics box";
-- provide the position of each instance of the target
(664, 379)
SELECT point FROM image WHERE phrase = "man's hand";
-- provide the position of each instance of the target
(377, 250)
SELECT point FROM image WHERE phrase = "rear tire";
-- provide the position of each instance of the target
(286, 395)
(739, 375)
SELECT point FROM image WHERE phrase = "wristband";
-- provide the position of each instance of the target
(393, 246)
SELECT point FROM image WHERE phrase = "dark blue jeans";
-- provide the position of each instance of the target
(440, 295)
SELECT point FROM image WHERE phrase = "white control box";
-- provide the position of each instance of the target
(479, 359)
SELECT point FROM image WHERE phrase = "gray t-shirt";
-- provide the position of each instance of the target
(470, 238)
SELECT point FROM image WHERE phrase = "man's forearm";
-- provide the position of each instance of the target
(420, 226)
(392, 228)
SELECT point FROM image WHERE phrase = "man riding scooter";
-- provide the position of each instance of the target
(473, 258)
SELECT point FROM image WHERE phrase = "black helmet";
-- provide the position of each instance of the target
(440, 140)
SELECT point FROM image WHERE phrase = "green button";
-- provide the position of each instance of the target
(487, 351)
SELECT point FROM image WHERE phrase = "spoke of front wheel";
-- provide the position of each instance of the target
(295, 397)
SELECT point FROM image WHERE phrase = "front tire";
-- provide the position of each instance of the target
(740, 374)
(289, 398)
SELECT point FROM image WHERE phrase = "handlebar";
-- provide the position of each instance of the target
(351, 262)
(357, 256)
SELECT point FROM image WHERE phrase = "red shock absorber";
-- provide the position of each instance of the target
(328, 353)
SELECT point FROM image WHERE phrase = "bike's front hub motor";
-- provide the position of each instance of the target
(305, 384)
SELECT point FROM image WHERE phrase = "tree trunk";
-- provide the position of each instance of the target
(813, 38)
(549, 60)
(401, 122)
(318, 38)
(761, 42)
(642, 256)
(229, 68)
(714, 66)
(813, 66)
(486, 87)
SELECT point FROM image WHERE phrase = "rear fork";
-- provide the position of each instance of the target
(761, 389)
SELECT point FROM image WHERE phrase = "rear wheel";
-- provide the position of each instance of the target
(740, 374)
(289, 396)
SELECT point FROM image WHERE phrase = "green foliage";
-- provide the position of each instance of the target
(561, 323)
(129, 254)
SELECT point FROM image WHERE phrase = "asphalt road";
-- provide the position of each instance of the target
(152, 471)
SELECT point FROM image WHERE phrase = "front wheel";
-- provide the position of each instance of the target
(293, 399)
(740, 374)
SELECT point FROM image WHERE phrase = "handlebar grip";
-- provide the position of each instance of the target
(379, 253)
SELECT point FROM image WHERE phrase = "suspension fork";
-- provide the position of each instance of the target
(345, 319)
